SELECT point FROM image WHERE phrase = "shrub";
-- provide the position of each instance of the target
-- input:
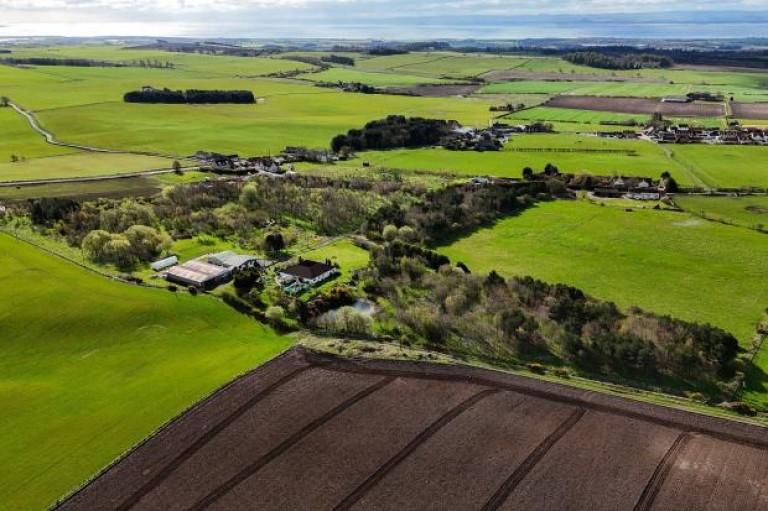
(537, 368)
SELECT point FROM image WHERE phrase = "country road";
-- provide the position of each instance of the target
(51, 138)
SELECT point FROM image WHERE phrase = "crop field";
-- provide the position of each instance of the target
(595, 117)
(637, 106)
(80, 164)
(356, 435)
(75, 381)
(621, 89)
(376, 79)
(661, 261)
(441, 64)
(88, 190)
(747, 211)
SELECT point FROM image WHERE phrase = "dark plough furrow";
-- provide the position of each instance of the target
(506, 489)
(654, 485)
(287, 444)
(205, 438)
(422, 437)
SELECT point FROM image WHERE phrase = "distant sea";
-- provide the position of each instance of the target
(694, 25)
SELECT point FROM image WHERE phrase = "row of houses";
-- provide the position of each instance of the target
(685, 134)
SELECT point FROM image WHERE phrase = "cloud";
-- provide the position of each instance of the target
(362, 18)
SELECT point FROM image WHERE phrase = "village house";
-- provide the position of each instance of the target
(306, 272)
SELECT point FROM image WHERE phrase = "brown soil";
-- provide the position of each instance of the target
(438, 91)
(645, 106)
(757, 111)
(311, 431)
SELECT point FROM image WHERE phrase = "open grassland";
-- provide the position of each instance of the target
(342, 252)
(626, 89)
(595, 117)
(661, 261)
(301, 118)
(186, 63)
(374, 78)
(440, 64)
(82, 357)
(724, 166)
(19, 139)
(747, 211)
(628, 158)
(80, 164)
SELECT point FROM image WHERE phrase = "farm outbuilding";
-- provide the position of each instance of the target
(199, 274)
(162, 264)
(233, 261)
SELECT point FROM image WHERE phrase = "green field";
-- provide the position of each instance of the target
(440, 64)
(649, 161)
(747, 211)
(18, 138)
(664, 262)
(76, 381)
(80, 164)
(561, 117)
(377, 79)
(624, 89)
(724, 166)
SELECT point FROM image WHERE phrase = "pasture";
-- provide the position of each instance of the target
(77, 376)
(661, 261)
(17, 138)
(747, 211)
(724, 166)
(80, 164)
(376, 79)
(570, 153)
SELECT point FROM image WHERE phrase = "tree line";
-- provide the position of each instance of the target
(75, 62)
(618, 62)
(191, 96)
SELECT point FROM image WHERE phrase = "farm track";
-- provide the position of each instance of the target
(362, 456)
(51, 139)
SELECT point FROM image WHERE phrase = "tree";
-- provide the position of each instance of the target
(389, 233)
(94, 244)
(118, 250)
(527, 173)
(407, 234)
(274, 243)
(146, 242)
(672, 186)
(5, 101)
(177, 167)
(14, 158)
(275, 313)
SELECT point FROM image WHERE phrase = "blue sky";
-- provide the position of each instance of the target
(407, 19)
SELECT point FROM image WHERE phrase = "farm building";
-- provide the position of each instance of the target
(162, 264)
(233, 261)
(676, 99)
(199, 274)
(306, 272)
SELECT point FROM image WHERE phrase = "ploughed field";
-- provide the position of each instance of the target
(308, 431)
(637, 106)
(757, 111)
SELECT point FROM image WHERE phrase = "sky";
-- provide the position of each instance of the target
(385, 19)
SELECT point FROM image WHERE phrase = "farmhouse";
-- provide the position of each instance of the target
(199, 274)
(306, 272)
